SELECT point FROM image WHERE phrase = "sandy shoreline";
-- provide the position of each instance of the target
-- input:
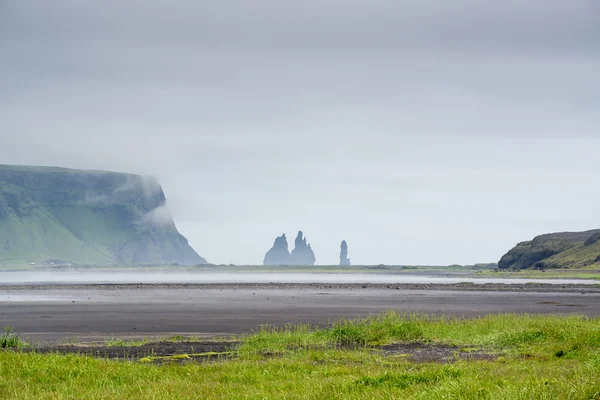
(461, 287)
(95, 312)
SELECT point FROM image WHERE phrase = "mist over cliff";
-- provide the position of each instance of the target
(87, 217)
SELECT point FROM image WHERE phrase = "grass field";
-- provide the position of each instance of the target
(528, 357)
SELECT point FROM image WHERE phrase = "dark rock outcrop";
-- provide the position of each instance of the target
(279, 253)
(302, 253)
(344, 260)
(89, 217)
(554, 250)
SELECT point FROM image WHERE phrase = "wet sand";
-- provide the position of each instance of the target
(97, 312)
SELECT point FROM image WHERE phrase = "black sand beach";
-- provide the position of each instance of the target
(54, 313)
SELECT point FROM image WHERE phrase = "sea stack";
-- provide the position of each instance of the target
(302, 253)
(344, 260)
(279, 253)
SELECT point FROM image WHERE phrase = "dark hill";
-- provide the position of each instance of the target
(555, 250)
(86, 217)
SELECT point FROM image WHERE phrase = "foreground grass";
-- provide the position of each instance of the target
(540, 357)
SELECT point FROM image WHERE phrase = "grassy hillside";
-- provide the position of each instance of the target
(556, 250)
(86, 217)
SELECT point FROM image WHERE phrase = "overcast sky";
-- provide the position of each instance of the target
(422, 132)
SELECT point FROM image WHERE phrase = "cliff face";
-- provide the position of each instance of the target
(87, 217)
(555, 250)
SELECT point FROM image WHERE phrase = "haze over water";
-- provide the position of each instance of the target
(173, 277)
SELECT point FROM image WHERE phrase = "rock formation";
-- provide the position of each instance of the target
(279, 253)
(344, 260)
(87, 217)
(302, 253)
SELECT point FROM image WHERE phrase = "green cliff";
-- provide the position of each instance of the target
(555, 250)
(86, 217)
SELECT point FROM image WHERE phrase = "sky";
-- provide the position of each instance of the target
(421, 132)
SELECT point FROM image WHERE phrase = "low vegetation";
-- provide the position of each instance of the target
(530, 357)
(10, 340)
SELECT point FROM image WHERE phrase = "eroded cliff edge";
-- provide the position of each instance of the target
(87, 217)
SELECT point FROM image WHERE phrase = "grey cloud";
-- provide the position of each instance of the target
(160, 216)
(412, 129)
(535, 25)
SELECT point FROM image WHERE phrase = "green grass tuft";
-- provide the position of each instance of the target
(10, 339)
(406, 379)
(376, 330)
